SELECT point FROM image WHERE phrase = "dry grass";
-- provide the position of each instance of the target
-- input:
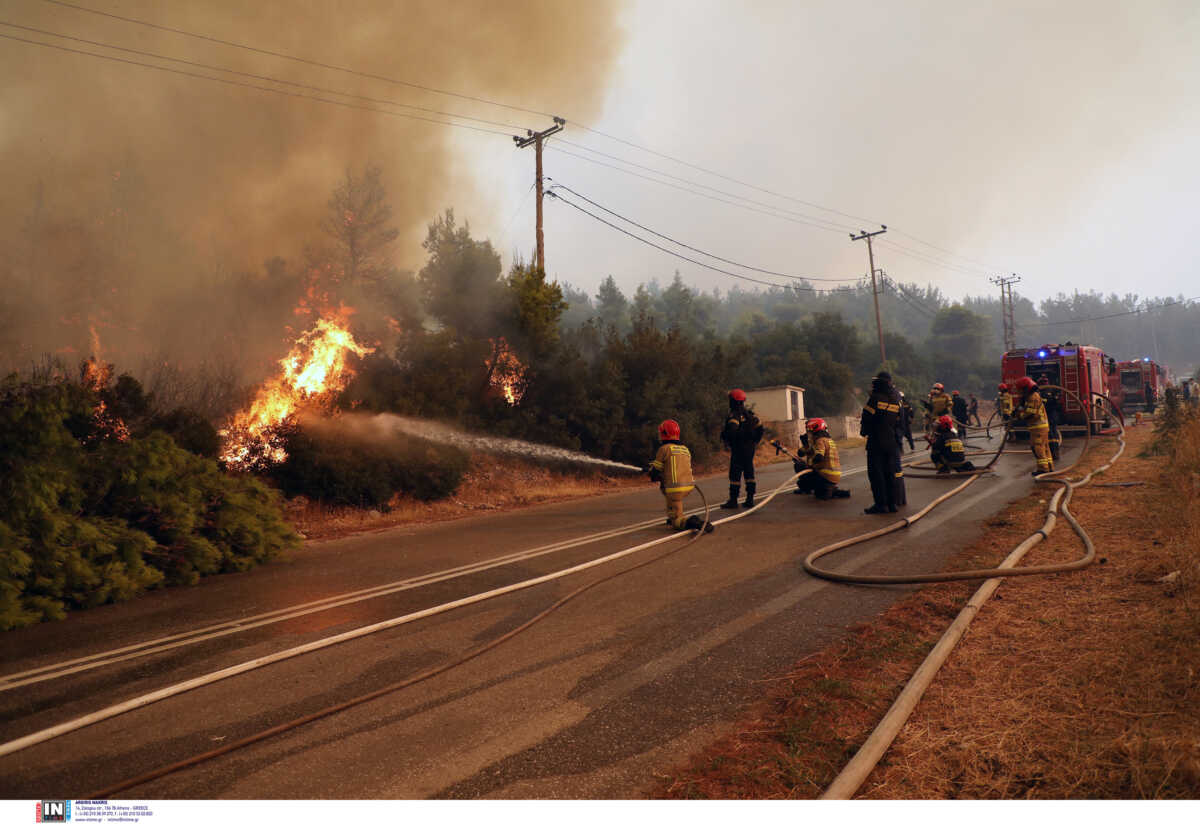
(1080, 685)
(493, 484)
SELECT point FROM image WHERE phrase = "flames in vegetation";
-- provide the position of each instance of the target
(314, 370)
(96, 376)
(507, 373)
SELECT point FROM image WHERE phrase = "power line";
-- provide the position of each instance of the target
(675, 254)
(820, 223)
(693, 248)
(229, 82)
(266, 77)
(496, 103)
(911, 300)
(296, 59)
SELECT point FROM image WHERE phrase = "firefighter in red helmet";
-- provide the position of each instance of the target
(1004, 402)
(821, 456)
(939, 404)
(672, 469)
(946, 448)
(1031, 411)
(1053, 404)
(742, 432)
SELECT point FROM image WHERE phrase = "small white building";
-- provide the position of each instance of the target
(782, 409)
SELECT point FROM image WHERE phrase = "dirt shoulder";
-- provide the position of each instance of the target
(1079, 685)
(493, 484)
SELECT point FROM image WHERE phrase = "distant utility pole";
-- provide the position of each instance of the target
(874, 284)
(1006, 309)
(535, 139)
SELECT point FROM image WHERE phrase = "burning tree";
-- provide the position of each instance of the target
(313, 372)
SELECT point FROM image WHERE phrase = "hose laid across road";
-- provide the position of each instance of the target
(864, 761)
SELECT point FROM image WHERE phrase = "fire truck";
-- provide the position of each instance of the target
(1085, 370)
(1134, 379)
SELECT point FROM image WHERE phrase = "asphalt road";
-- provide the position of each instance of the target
(589, 703)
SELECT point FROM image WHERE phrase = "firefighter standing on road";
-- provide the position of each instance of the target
(939, 404)
(973, 409)
(907, 414)
(958, 405)
(672, 469)
(743, 430)
(946, 449)
(1032, 412)
(880, 417)
(821, 455)
(1053, 404)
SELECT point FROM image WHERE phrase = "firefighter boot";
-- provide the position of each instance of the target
(751, 486)
(696, 522)
(733, 496)
(841, 493)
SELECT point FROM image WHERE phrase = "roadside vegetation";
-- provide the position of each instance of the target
(1082, 685)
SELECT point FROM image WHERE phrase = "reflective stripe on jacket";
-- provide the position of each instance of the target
(1034, 411)
(674, 462)
(823, 458)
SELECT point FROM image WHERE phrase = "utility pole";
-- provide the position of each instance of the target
(865, 235)
(536, 139)
(1006, 309)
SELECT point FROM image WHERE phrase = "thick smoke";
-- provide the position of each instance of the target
(135, 200)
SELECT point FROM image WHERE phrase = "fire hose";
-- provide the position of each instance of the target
(856, 771)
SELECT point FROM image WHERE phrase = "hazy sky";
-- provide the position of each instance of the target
(1055, 140)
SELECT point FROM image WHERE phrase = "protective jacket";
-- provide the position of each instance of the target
(947, 451)
(743, 430)
(960, 408)
(940, 405)
(1004, 403)
(881, 418)
(822, 456)
(1033, 412)
(673, 466)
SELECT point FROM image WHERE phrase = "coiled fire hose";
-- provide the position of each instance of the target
(864, 761)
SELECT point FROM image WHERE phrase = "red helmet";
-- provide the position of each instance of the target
(1003, 386)
(668, 430)
(955, 392)
(1026, 384)
(737, 395)
(944, 423)
(938, 387)
(815, 424)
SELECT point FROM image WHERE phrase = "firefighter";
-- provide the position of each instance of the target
(1032, 412)
(743, 430)
(1004, 402)
(1053, 404)
(672, 469)
(946, 450)
(821, 456)
(880, 417)
(939, 404)
(973, 409)
(907, 413)
(958, 406)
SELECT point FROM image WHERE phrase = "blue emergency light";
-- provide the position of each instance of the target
(1147, 360)
(1041, 353)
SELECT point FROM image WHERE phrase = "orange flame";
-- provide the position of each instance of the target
(96, 375)
(313, 370)
(507, 372)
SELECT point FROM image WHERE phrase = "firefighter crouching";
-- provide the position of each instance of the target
(821, 456)
(946, 449)
(1052, 400)
(880, 419)
(743, 430)
(672, 469)
(1032, 412)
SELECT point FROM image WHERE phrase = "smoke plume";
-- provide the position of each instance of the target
(134, 199)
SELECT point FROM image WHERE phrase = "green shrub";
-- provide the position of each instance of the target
(342, 467)
(87, 518)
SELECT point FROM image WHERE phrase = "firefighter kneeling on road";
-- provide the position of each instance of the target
(946, 450)
(821, 456)
(672, 469)
(1032, 412)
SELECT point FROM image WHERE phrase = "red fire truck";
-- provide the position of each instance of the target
(1085, 370)
(1139, 384)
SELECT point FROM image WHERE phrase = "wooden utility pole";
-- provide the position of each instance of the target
(1006, 310)
(535, 139)
(874, 285)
